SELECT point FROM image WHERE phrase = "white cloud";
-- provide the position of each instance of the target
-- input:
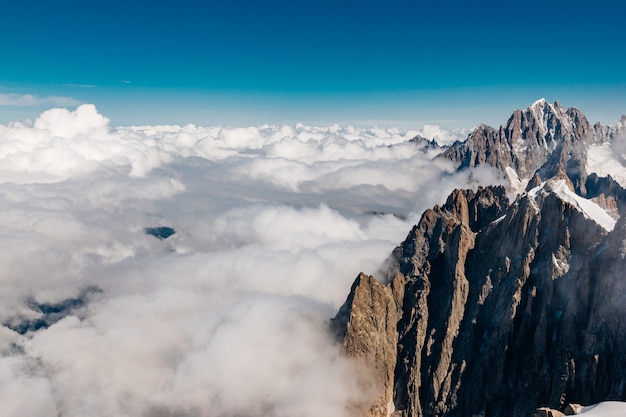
(227, 316)
(441, 135)
(76, 85)
(66, 124)
(18, 100)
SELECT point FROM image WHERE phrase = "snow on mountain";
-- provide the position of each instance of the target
(544, 113)
(530, 138)
(517, 184)
(605, 409)
(602, 160)
(590, 209)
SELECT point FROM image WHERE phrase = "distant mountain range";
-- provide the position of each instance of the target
(505, 299)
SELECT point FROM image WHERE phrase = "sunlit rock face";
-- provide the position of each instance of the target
(373, 311)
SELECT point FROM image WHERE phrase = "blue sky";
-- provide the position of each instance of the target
(365, 62)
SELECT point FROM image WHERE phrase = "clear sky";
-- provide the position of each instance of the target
(384, 62)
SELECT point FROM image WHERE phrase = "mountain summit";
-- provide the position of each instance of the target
(495, 308)
(530, 138)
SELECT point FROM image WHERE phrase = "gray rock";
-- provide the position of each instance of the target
(496, 308)
(542, 137)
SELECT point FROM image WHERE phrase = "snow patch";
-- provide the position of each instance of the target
(602, 161)
(518, 185)
(538, 112)
(499, 219)
(590, 209)
(587, 207)
(532, 193)
(561, 266)
(605, 409)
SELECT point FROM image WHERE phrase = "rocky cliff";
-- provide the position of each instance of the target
(543, 136)
(494, 308)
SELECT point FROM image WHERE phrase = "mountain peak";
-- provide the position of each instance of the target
(528, 140)
(543, 111)
(542, 103)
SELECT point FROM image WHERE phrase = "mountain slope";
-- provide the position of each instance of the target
(501, 307)
(505, 307)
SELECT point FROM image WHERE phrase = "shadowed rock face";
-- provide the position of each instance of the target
(499, 308)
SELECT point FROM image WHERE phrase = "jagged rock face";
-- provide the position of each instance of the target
(541, 133)
(606, 188)
(604, 365)
(501, 308)
(525, 332)
(367, 325)
(437, 246)
(483, 146)
(422, 141)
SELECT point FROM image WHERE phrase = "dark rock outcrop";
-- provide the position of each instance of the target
(161, 232)
(46, 314)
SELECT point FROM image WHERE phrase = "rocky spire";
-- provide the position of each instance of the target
(496, 308)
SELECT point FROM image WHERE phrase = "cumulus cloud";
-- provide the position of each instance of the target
(225, 317)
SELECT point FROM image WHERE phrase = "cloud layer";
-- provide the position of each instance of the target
(227, 316)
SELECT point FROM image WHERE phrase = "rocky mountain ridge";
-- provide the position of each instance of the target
(494, 308)
(543, 136)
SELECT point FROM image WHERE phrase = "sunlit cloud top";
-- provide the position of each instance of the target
(226, 313)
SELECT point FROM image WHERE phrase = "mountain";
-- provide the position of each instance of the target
(492, 307)
(543, 136)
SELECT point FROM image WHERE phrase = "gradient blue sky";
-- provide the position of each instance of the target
(392, 62)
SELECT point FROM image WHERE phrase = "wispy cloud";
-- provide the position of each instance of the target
(19, 100)
(73, 85)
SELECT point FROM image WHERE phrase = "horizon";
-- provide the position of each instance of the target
(245, 64)
(423, 126)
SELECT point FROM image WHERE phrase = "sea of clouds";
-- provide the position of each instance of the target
(228, 316)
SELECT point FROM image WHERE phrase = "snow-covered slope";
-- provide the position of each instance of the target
(590, 209)
(516, 183)
(605, 409)
(602, 160)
